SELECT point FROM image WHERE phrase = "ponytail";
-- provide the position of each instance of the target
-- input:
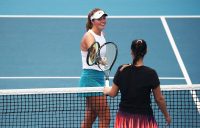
(139, 49)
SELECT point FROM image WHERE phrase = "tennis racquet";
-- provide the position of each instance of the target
(104, 56)
(92, 55)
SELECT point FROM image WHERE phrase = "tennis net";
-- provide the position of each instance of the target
(64, 107)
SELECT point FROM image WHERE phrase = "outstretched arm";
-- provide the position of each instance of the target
(111, 91)
(160, 100)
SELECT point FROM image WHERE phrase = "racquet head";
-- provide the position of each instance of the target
(107, 57)
(93, 54)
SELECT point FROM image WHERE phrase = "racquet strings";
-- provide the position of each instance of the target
(108, 53)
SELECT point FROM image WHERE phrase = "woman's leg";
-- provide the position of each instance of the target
(96, 106)
(90, 114)
(100, 106)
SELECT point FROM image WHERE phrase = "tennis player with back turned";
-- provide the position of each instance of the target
(135, 83)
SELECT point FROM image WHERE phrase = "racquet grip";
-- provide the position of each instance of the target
(107, 83)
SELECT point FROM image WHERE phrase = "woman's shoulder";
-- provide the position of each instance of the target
(123, 67)
(86, 41)
(150, 69)
(88, 35)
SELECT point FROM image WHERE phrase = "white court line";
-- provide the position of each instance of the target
(180, 61)
(77, 77)
(84, 16)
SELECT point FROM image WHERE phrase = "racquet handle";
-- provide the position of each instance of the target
(107, 83)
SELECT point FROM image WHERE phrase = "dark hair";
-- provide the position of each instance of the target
(89, 22)
(139, 49)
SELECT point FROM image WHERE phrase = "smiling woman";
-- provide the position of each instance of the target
(93, 76)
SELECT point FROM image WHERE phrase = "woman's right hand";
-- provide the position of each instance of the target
(124, 66)
(168, 120)
(106, 90)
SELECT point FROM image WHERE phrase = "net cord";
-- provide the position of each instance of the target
(87, 89)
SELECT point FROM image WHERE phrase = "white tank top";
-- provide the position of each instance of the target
(101, 40)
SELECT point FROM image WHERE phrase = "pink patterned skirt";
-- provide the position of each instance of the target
(126, 120)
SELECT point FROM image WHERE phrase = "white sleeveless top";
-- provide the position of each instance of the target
(101, 40)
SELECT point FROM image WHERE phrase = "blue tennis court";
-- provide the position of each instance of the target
(40, 45)
(39, 52)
